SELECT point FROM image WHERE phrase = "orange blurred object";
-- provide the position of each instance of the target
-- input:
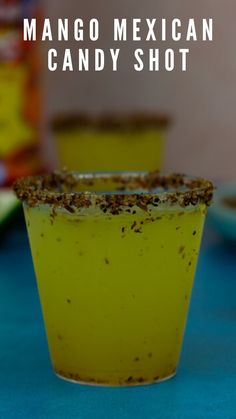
(20, 93)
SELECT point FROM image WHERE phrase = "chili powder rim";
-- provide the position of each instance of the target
(48, 189)
(116, 122)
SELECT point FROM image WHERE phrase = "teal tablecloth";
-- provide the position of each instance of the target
(205, 386)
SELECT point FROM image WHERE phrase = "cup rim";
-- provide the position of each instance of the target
(110, 121)
(135, 189)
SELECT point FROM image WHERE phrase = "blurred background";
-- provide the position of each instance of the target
(202, 101)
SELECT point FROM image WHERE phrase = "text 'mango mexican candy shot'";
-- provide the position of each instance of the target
(115, 257)
(110, 143)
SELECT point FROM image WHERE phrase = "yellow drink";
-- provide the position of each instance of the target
(110, 145)
(115, 283)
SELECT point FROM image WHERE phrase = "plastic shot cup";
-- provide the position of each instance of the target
(115, 257)
(110, 143)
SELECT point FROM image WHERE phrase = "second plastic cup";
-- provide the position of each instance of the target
(110, 143)
(115, 258)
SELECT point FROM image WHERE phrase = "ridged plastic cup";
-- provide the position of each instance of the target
(115, 258)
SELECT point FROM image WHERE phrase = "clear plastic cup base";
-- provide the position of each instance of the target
(93, 384)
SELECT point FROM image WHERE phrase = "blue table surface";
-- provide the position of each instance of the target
(205, 386)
